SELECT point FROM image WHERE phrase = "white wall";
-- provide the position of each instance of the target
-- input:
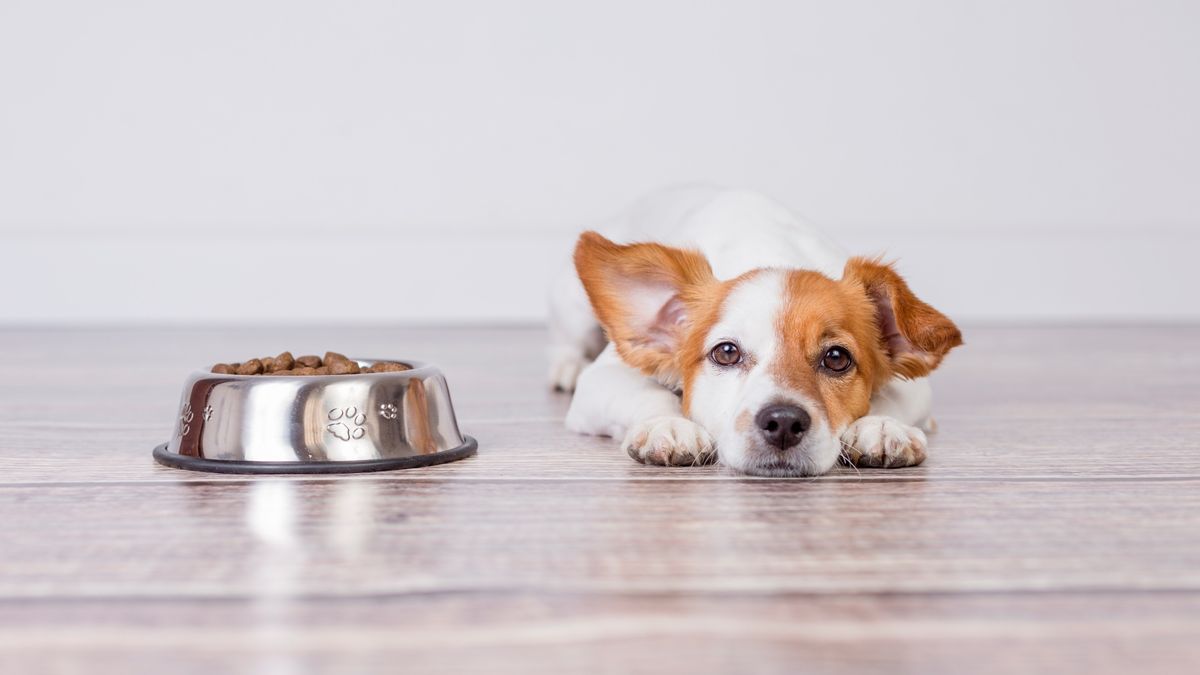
(358, 161)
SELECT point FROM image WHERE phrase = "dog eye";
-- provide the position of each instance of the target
(726, 354)
(837, 359)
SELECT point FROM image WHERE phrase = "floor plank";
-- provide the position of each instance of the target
(565, 633)
(1053, 527)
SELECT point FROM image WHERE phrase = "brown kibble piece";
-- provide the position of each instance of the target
(284, 361)
(332, 357)
(303, 371)
(309, 361)
(323, 370)
(251, 367)
(268, 364)
(388, 367)
(224, 369)
(343, 368)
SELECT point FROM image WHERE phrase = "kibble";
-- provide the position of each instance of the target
(343, 368)
(286, 365)
(386, 367)
(284, 361)
(251, 367)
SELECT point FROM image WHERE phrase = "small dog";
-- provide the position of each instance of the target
(742, 334)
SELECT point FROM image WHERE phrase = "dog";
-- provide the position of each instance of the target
(734, 331)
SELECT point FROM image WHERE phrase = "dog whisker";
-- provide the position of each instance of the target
(846, 458)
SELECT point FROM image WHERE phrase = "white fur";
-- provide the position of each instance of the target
(737, 231)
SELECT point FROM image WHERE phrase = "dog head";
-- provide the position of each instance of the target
(775, 363)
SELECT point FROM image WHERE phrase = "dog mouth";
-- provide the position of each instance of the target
(775, 470)
(802, 460)
(779, 467)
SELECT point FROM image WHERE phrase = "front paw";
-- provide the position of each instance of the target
(669, 441)
(883, 442)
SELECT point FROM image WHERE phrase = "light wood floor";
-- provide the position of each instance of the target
(1054, 528)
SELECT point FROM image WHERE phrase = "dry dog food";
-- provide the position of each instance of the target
(332, 363)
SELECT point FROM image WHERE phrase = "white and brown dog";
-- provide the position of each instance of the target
(742, 333)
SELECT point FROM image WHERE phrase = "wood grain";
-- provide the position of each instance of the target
(360, 538)
(1053, 527)
(566, 633)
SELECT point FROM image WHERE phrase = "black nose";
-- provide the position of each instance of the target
(783, 425)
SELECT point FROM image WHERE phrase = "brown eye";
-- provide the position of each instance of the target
(726, 354)
(837, 359)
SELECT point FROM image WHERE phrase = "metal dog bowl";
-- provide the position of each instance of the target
(315, 423)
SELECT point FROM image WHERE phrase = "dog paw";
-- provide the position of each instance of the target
(565, 369)
(670, 441)
(879, 441)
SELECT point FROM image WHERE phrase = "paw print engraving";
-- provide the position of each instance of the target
(185, 419)
(347, 423)
(388, 411)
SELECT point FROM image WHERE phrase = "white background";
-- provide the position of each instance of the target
(432, 161)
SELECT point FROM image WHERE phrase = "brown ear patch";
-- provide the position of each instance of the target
(644, 296)
(915, 335)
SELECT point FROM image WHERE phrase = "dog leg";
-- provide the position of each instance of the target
(575, 335)
(613, 399)
(908, 401)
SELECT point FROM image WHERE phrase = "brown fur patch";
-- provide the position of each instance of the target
(819, 313)
(744, 423)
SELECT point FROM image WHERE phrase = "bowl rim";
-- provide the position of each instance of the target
(421, 368)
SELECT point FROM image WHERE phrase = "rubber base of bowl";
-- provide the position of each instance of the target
(176, 461)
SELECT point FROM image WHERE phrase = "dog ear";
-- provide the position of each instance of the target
(644, 296)
(914, 335)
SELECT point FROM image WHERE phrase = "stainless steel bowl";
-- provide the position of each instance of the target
(315, 424)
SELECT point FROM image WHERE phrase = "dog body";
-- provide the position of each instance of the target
(744, 333)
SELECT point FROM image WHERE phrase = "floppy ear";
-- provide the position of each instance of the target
(643, 295)
(914, 335)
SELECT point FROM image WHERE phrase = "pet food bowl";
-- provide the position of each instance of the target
(315, 423)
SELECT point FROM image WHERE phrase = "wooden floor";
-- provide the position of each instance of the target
(1054, 528)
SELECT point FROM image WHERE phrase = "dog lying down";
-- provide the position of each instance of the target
(740, 333)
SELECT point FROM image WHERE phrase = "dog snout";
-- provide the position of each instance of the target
(783, 425)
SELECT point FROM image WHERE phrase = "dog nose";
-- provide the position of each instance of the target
(783, 425)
